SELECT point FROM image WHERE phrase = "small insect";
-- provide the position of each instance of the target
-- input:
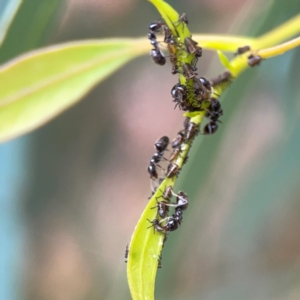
(172, 224)
(162, 208)
(158, 56)
(178, 140)
(157, 27)
(203, 89)
(152, 38)
(254, 60)
(159, 264)
(172, 170)
(210, 128)
(156, 158)
(186, 123)
(126, 253)
(182, 201)
(192, 48)
(242, 50)
(152, 171)
(188, 71)
(176, 152)
(183, 18)
(168, 34)
(172, 48)
(214, 111)
(162, 144)
(191, 131)
(223, 79)
(179, 92)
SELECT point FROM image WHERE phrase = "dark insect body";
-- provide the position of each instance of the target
(192, 47)
(210, 128)
(191, 131)
(254, 60)
(242, 50)
(152, 171)
(172, 170)
(162, 144)
(188, 71)
(158, 56)
(178, 140)
(223, 79)
(126, 253)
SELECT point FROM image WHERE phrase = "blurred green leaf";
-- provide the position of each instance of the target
(29, 27)
(6, 16)
(144, 250)
(39, 85)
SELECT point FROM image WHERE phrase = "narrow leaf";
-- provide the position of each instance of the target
(40, 85)
(144, 251)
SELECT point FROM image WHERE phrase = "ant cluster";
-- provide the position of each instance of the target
(190, 93)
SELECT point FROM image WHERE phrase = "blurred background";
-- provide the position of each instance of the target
(72, 191)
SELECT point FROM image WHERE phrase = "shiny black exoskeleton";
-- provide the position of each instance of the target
(179, 93)
(210, 128)
(152, 171)
(162, 144)
(157, 56)
(203, 89)
(162, 208)
(214, 111)
(157, 27)
(172, 224)
(156, 158)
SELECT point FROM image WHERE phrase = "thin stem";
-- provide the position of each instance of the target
(279, 34)
(280, 49)
(228, 43)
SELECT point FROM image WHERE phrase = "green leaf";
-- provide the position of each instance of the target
(224, 60)
(144, 250)
(38, 86)
(171, 16)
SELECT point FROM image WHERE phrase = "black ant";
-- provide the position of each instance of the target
(157, 27)
(162, 144)
(152, 171)
(210, 128)
(172, 224)
(203, 89)
(214, 111)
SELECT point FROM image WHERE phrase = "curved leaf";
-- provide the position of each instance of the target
(39, 85)
(144, 250)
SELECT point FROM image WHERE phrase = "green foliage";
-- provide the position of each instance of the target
(38, 86)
